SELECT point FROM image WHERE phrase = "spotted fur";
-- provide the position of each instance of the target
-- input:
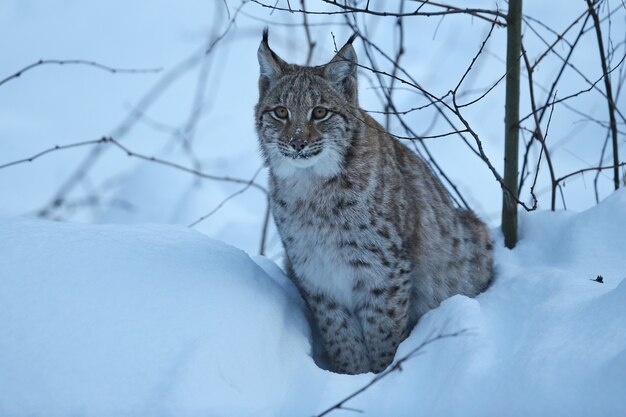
(371, 237)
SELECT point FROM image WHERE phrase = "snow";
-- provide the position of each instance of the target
(154, 320)
(128, 316)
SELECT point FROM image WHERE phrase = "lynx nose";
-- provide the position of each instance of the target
(298, 144)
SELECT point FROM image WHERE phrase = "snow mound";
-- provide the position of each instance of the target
(127, 320)
(153, 320)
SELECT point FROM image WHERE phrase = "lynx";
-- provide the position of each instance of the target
(372, 239)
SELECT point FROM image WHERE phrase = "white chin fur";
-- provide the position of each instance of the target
(304, 163)
(325, 164)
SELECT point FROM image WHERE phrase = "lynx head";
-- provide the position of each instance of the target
(304, 116)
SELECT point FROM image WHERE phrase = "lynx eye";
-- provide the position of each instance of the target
(319, 113)
(281, 112)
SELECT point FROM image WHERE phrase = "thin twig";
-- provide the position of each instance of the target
(265, 228)
(307, 31)
(130, 153)
(224, 201)
(346, 9)
(609, 93)
(537, 134)
(93, 64)
(396, 367)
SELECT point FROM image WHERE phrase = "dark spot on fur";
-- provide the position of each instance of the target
(394, 249)
(489, 246)
(394, 290)
(377, 292)
(348, 243)
(455, 242)
(357, 263)
(373, 249)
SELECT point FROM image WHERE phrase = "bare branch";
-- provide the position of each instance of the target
(264, 229)
(581, 171)
(396, 367)
(231, 196)
(55, 148)
(537, 134)
(347, 9)
(93, 64)
(130, 153)
(609, 92)
(307, 32)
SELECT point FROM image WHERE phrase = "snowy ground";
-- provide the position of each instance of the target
(103, 320)
(125, 315)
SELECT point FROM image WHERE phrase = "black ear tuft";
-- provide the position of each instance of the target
(270, 64)
(351, 38)
(265, 35)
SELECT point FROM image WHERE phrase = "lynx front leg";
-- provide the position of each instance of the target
(342, 335)
(383, 315)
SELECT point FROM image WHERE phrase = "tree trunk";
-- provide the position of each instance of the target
(511, 122)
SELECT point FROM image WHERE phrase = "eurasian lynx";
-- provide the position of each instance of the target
(372, 239)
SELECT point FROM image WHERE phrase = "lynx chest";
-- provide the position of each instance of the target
(330, 241)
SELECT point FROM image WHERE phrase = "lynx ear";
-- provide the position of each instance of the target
(341, 71)
(271, 66)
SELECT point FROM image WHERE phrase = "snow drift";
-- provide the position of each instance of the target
(102, 320)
